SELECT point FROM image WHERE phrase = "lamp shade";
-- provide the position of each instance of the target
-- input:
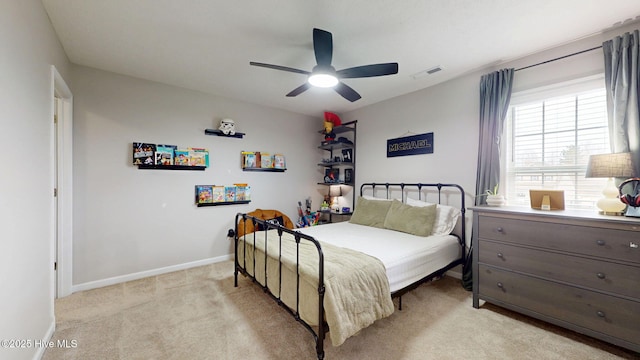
(610, 166)
(335, 191)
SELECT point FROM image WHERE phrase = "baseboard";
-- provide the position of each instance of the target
(456, 272)
(40, 349)
(143, 274)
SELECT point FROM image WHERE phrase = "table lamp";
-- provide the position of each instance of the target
(610, 166)
(334, 192)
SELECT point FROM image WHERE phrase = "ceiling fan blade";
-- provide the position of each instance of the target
(368, 71)
(323, 46)
(299, 90)
(346, 92)
(278, 67)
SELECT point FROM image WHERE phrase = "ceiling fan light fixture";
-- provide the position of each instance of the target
(323, 76)
(323, 80)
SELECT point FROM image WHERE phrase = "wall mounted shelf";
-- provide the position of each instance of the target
(224, 203)
(171, 167)
(264, 169)
(238, 135)
(335, 163)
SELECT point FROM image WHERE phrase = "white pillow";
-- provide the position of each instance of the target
(446, 216)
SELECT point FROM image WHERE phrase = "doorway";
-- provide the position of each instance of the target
(62, 110)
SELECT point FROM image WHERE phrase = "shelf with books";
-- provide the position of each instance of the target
(169, 157)
(224, 203)
(212, 195)
(264, 169)
(262, 161)
(171, 167)
(238, 135)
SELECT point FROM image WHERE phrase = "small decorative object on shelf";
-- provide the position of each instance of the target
(262, 161)
(330, 121)
(348, 176)
(332, 176)
(213, 195)
(227, 128)
(347, 155)
(169, 157)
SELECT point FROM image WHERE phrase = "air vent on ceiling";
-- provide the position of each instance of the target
(424, 73)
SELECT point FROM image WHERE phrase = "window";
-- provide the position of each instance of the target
(550, 134)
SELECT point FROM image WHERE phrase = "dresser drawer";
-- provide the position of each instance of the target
(593, 241)
(596, 274)
(587, 309)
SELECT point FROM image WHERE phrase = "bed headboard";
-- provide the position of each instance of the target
(435, 193)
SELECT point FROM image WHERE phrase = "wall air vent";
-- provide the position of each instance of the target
(427, 72)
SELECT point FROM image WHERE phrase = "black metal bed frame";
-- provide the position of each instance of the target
(323, 328)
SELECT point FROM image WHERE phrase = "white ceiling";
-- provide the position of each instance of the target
(206, 45)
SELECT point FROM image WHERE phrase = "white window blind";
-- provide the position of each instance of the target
(549, 140)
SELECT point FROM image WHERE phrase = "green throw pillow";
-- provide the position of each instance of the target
(370, 212)
(410, 219)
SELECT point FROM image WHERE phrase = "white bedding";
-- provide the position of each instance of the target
(407, 258)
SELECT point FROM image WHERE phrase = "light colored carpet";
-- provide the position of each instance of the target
(198, 314)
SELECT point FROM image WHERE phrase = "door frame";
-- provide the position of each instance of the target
(63, 233)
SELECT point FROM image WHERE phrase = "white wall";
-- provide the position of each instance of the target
(450, 110)
(29, 48)
(130, 222)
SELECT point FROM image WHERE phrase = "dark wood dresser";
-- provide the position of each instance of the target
(575, 269)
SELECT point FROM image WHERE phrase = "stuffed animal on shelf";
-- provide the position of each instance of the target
(331, 120)
(227, 126)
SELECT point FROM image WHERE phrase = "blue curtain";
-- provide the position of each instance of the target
(621, 79)
(495, 93)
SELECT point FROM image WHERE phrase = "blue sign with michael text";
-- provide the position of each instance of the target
(410, 145)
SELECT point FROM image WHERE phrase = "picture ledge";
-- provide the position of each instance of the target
(238, 135)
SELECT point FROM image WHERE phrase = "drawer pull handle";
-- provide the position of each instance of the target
(499, 229)
(499, 284)
(600, 314)
(600, 242)
(500, 255)
(600, 275)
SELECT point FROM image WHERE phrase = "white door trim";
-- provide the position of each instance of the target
(64, 156)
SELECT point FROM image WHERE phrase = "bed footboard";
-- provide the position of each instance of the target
(262, 257)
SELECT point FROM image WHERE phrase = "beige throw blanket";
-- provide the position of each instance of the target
(357, 289)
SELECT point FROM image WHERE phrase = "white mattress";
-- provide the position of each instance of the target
(407, 258)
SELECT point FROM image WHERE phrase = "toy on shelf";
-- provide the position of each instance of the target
(331, 120)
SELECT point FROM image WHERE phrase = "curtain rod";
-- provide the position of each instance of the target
(560, 58)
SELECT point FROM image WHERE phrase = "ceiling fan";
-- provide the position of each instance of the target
(325, 75)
